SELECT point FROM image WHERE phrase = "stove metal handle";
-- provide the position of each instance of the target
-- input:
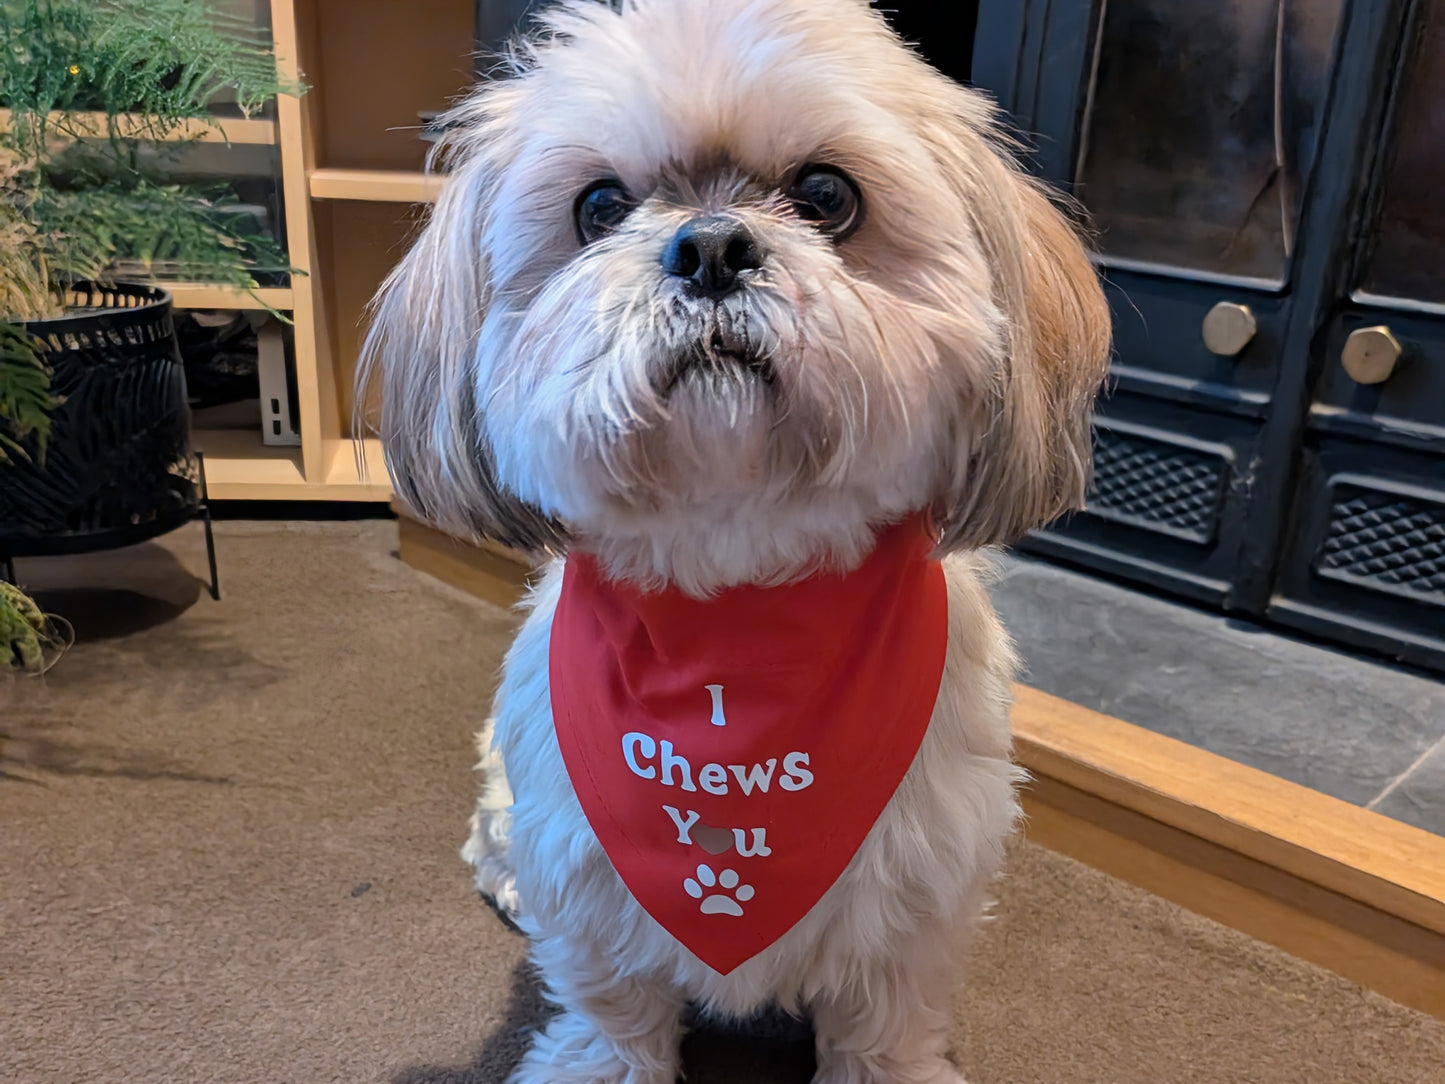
(1371, 354)
(1228, 328)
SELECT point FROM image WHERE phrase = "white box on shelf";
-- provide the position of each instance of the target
(276, 425)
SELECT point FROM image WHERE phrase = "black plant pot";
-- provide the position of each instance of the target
(119, 467)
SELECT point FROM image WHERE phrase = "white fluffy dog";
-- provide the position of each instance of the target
(715, 291)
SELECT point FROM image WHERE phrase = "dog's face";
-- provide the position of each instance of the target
(706, 254)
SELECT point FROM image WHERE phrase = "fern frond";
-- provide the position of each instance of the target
(170, 60)
(25, 399)
(88, 207)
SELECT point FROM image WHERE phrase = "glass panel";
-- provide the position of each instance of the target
(1201, 126)
(1408, 260)
(194, 184)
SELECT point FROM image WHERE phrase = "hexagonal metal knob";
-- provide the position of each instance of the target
(1228, 327)
(1370, 354)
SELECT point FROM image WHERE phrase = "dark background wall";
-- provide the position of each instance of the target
(942, 30)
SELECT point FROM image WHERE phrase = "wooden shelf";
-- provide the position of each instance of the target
(232, 130)
(352, 187)
(358, 467)
(202, 295)
(239, 467)
(375, 185)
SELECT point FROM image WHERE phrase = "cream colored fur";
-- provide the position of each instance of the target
(942, 358)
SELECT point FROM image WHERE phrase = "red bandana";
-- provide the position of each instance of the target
(732, 753)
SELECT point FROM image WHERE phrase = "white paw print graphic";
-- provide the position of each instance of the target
(717, 903)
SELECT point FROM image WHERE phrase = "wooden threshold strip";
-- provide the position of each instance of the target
(1324, 880)
(489, 571)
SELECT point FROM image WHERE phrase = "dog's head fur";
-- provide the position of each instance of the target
(715, 286)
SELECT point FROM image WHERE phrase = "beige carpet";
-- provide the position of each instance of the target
(228, 837)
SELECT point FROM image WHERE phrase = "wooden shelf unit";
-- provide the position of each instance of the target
(353, 184)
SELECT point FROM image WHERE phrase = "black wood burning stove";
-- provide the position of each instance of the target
(1265, 177)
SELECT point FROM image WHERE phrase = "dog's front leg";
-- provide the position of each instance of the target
(613, 1029)
(892, 1029)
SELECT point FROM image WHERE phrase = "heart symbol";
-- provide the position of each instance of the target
(712, 840)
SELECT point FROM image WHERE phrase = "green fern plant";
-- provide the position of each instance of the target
(26, 633)
(79, 201)
(95, 200)
(25, 399)
(25, 405)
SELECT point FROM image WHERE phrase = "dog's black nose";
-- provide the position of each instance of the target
(711, 252)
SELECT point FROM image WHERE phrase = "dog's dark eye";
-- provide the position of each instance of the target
(600, 209)
(829, 198)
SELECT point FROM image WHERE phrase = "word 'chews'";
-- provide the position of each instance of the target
(732, 753)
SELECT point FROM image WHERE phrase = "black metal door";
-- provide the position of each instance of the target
(1225, 153)
(1364, 557)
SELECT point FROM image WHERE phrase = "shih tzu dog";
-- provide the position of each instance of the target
(744, 315)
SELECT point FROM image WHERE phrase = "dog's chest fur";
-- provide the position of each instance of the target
(930, 855)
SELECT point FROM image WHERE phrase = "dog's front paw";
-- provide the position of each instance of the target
(573, 1051)
(487, 853)
(488, 848)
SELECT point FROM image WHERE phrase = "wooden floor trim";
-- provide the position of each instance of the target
(1349, 850)
(1326, 881)
(491, 572)
(1329, 882)
(1374, 948)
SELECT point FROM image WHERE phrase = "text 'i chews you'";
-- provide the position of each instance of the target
(648, 758)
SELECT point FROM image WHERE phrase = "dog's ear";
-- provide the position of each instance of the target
(1022, 456)
(418, 383)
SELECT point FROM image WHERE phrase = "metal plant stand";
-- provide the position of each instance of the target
(119, 468)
